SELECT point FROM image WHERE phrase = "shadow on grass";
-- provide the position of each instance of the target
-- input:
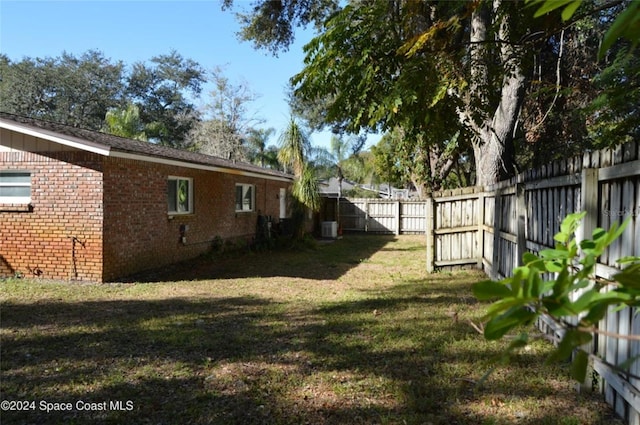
(327, 261)
(397, 355)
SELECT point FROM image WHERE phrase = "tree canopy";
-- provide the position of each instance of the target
(82, 90)
(161, 90)
(498, 84)
(77, 91)
(487, 71)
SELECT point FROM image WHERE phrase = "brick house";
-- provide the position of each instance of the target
(84, 205)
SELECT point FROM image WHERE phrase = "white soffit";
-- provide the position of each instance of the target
(71, 141)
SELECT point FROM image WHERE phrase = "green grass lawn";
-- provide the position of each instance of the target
(348, 332)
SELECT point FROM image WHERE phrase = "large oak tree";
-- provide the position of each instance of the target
(74, 90)
(432, 68)
(81, 91)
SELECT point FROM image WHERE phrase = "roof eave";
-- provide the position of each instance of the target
(105, 150)
(196, 165)
(52, 136)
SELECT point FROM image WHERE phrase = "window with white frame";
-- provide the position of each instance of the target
(245, 197)
(180, 195)
(15, 187)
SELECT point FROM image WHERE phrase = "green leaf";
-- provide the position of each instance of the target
(585, 300)
(596, 313)
(554, 254)
(571, 222)
(521, 273)
(598, 233)
(588, 246)
(546, 286)
(554, 266)
(529, 258)
(629, 277)
(573, 338)
(593, 296)
(573, 248)
(581, 283)
(489, 289)
(560, 308)
(579, 366)
(571, 8)
(627, 259)
(497, 327)
(588, 263)
(616, 230)
(625, 25)
(561, 284)
(555, 259)
(561, 237)
(505, 304)
(550, 6)
(535, 284)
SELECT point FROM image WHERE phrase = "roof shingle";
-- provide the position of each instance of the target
(121, 144)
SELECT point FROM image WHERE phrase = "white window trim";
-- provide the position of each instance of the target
(253, 196)
(190, 195)
(16, 199)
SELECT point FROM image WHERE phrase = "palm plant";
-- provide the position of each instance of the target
(294, 148)
(125, 123)
(258, 151)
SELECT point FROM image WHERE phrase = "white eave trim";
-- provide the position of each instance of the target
(104, 150)
(177, 163)
(71, 141)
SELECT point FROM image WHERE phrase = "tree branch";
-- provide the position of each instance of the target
(558, 74)
(607, 333)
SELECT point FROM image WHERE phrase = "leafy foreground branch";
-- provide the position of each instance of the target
(575, 299)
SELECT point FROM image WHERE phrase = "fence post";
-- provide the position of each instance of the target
(521, 213)
(589, 202)
(398, 217)
(480, 232)
(429, 230)
(366, 215)
(497, 227)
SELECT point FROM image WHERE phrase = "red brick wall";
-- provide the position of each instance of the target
(140, 235)
(100, 218)
(60, 235)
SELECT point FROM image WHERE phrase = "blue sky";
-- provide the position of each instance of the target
(133, 31)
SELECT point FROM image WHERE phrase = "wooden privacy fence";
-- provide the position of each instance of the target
(382, 216)
(491, 227)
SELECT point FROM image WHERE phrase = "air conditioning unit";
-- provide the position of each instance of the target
(329, 229)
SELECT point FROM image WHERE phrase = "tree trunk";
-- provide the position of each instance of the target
(493, 133)
(494, 150)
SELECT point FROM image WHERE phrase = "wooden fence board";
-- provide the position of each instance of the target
(491, 227)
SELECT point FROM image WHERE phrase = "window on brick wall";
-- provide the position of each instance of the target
(245, 197)
(15, 187)
(180, 195)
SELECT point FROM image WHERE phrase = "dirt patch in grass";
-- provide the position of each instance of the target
(345, 333)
